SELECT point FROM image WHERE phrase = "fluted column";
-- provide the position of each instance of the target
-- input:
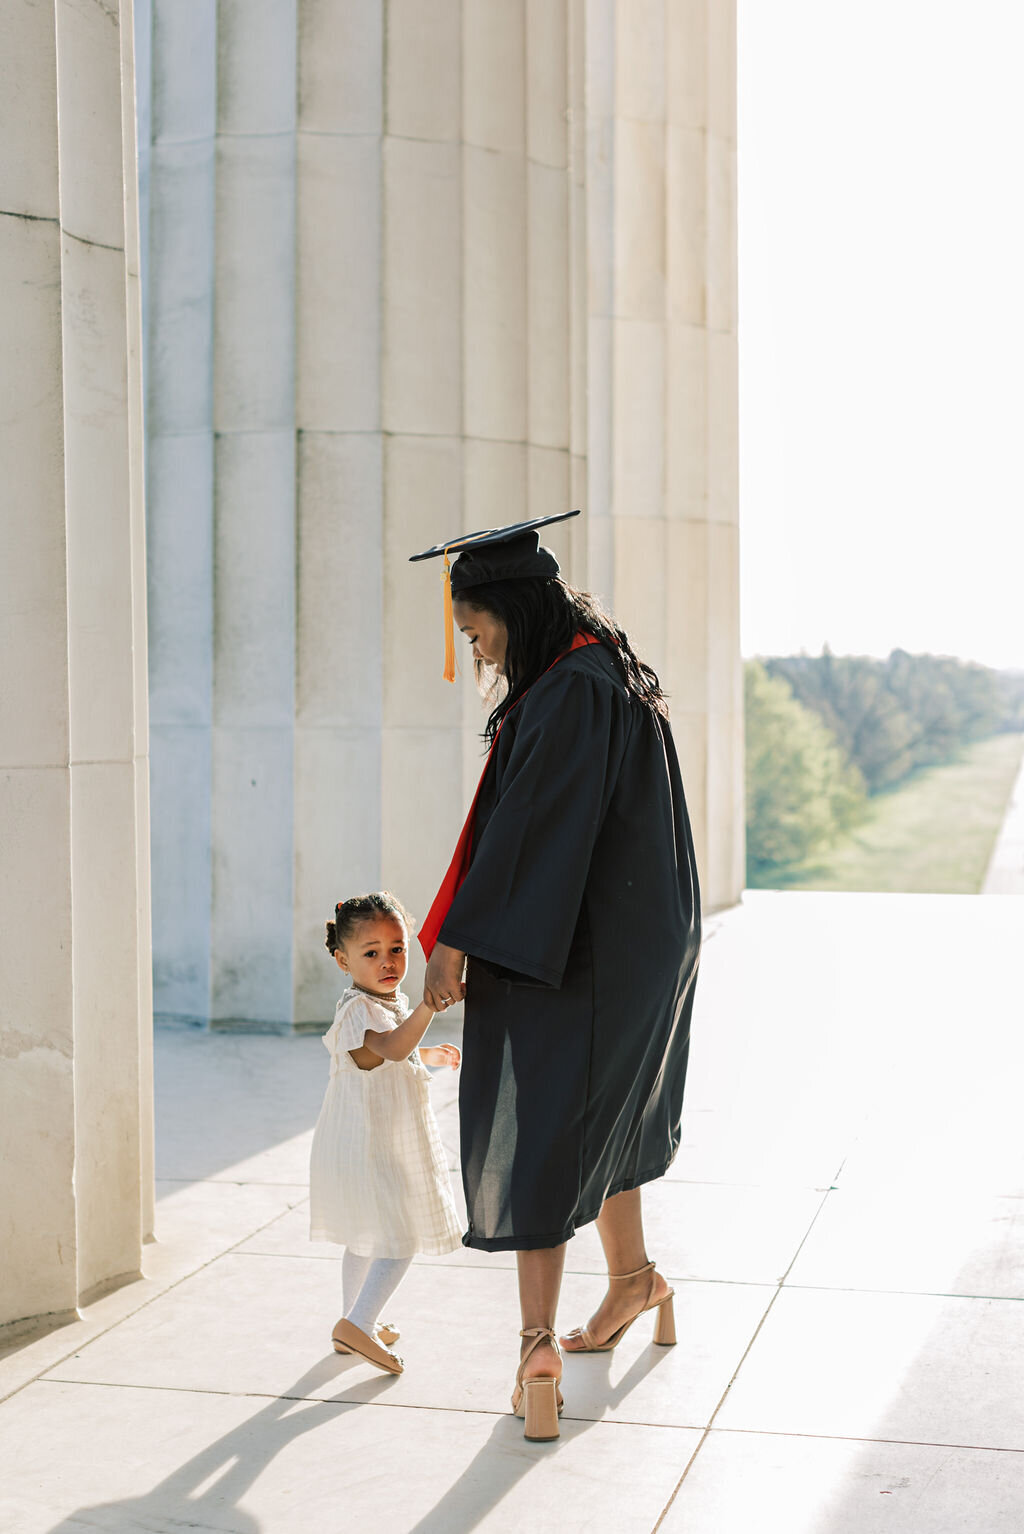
(458, 269)
(703, 671)
(37, 1091)
(339, 480)
(424, 382)
(662, 427)
(254, 524)
(179, 375)
(75, 1118)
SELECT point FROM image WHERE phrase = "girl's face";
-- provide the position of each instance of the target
(486, 633)
(377, 954)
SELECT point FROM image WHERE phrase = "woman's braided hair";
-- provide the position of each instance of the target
(348, 914)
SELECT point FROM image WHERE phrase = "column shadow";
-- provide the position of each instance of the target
(507, 1458)
(183, 1500)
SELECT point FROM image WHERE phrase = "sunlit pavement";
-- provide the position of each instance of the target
(844, 1227)
(1005, 874)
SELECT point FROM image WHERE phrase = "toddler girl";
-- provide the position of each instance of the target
(378, 1181)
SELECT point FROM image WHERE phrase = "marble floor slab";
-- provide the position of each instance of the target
(919, 1368)
(983, 1153)
(257, 1465)
(236, 1106)
(933, 1240)
(695, 1230)
(751, 1143)
(255, 1325)
(195, 1222)
(851, 1122)
(794, 1485)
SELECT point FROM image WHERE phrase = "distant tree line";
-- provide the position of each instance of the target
(826, 731)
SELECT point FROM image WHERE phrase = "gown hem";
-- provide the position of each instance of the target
(543, 1242)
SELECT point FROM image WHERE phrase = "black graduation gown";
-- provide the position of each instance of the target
(580, 913)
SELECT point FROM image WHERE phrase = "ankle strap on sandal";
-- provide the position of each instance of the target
(539, 1334)
(636, 1272)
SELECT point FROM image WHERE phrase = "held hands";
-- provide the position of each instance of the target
(444, 985)
(441, 1054)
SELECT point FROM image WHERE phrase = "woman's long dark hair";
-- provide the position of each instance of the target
(542, 617)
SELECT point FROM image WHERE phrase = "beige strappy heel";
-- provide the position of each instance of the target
(539, 1400)
(664, 1324)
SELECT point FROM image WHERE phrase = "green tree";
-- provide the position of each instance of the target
(851, 695)
(893, 716)
(1010, 688)
(801, 791)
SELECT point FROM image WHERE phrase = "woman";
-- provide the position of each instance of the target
(573, 911)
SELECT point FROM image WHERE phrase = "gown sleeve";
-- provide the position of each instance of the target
(521, 899)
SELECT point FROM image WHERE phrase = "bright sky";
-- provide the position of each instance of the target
(881, 207)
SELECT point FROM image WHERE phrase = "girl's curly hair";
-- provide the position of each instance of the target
(348, 914)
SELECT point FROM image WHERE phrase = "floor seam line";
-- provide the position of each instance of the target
(484, 1411)
(480, 1267)
(40, 1374)
(261, 1395)
(923, 1294)
(921, 1443)
(746, 1353)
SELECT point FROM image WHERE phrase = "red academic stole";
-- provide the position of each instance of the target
(459, 866)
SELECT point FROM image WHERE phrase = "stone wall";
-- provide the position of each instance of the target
(75, 1007)
(417, 267)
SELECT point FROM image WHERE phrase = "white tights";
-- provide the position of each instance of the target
(367, 1284)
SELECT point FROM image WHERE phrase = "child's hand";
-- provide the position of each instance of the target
(441, 1054)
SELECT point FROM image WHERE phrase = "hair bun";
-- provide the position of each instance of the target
(349, 913)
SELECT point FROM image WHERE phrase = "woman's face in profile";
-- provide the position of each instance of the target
(486, 633)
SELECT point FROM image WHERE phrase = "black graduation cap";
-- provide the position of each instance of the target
(495, 554)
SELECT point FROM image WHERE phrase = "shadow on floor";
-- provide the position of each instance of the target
(239, 1100)
(234, 1460)
(507, 1457)
(225, 1098)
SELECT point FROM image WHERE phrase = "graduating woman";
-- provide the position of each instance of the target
(570, 923)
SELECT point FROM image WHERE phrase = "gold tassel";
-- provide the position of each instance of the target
(449, 621)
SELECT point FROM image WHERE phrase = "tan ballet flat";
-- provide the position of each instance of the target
(664, 1324)
(383, 1331)
(354, 1340)
(540, 1400)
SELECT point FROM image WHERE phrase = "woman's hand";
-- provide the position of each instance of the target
(443, 985)
(441, 1054)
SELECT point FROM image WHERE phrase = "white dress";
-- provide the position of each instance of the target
(378, 1179)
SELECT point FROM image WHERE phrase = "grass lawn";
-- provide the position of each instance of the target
(935, 833)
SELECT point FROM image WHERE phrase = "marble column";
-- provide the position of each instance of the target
(339, 482)
(662, 380)
(76, 1110)
(182, 111)
(254, 513)
(455, 264)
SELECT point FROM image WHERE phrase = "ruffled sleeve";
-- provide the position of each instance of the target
(354, 1016)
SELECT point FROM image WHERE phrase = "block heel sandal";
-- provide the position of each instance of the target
(538, 1400)
(664, 1324)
